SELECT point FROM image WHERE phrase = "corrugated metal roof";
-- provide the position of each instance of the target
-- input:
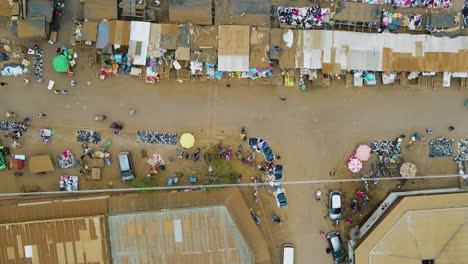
(73, 240)
(198, 235)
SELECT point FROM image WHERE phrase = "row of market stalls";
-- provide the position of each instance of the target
(362, 17)
(156, 51)
(363, 54)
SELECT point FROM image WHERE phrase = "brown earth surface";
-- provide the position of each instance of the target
(314, 132)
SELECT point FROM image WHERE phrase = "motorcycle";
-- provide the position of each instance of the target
(255, 217)
(318, 196)
(116, 126)
(243, 134)
(100, 117)
(276, 219)
(240, 151)
(365, 183)
(180, 154)
(196, 155)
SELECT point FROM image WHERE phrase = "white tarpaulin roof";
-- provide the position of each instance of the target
(365, 51)
(139, 35)
(233, 48)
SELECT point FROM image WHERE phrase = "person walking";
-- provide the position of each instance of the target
(451, 128)
(41, 115)
(429, 130)
(283, 99)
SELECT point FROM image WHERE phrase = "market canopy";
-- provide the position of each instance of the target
(60, 63)
(354, 165)
(408, 170)
(38, 164)
(363, 152)
(187, 140)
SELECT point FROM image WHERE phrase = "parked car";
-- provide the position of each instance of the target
(287, 254)
(335, 207)
(126, 167)
(336, 246)
(281, 198)
(268, 153)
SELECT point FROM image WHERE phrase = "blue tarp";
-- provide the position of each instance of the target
(102, 41)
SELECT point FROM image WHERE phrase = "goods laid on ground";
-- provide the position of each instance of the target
(68, 183)
(13, 126)
(440, 147)
(386, 147)
(445, 4)
(156, 138)
(66, 160)
(38, 63)
(304, 17)
(463, 149)
(46, 134)
(89, 136)
(465, 12)
(12, 69)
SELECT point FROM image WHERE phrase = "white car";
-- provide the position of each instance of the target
(335, 207)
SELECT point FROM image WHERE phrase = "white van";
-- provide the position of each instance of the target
(287, 254)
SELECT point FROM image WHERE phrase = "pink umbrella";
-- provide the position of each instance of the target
(354, 165)
(363, 152)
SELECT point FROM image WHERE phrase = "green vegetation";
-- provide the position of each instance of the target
(143, 183)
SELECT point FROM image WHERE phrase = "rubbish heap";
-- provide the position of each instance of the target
(304, 17)
(440, 147)
(88, 136)
(386, 147)
(156, 138)
(66, 160)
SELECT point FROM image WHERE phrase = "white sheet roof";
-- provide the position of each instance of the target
(355, 50)
(139, 32)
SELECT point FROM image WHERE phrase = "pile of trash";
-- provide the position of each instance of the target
(304, 17)
(386, 147)
(38, 63)
(463, 149)
(440, 147)
(156, 138)
(66, 160)
(89, 136)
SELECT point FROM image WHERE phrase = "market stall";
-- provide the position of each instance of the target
(68, 183)
(41, 164)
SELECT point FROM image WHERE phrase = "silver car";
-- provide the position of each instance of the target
(335, 207)
(126, 167)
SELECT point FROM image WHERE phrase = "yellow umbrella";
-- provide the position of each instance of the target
(187, 140)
